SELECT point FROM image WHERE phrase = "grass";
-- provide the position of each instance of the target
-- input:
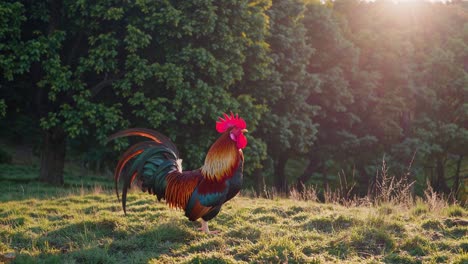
(85, 224)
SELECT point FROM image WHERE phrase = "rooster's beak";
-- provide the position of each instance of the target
(244, 131)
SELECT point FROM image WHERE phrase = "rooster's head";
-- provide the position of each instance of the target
(236, 127)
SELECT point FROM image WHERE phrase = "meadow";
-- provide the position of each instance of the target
(84, 223)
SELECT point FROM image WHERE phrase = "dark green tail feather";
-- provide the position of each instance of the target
(121, 164)
(158, 159)
(151, 168)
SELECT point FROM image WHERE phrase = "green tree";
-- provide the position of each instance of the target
(288, 128)
(441, 119)
(97, 67)
(405, 44)
(339, 97)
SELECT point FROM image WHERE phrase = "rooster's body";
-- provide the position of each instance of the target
(200, 193)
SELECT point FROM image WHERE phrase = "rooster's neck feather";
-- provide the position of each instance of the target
(222, 159)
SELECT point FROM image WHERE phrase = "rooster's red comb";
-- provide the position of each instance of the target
(229, 121)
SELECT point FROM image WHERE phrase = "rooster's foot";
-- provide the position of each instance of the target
(204, 228)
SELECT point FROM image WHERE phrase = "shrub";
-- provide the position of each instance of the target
(5, 157)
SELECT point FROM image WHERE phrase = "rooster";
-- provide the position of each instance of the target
(200, 193)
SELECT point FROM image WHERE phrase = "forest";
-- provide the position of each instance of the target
(333, 92)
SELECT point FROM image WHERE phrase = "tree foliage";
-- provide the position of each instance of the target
(336, 84)
(106, 65)
(288, 128)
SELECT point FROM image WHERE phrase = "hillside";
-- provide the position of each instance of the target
(86, 225)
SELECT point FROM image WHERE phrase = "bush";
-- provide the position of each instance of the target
(5, 157)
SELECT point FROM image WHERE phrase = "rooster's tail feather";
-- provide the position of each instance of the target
(148, 133)
(149, 161)
(132, 152)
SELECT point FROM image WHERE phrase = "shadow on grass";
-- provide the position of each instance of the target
(24, 189)
(20, 180)
(102, 242)
(329, 224)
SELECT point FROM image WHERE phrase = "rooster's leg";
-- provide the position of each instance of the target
(204, 228)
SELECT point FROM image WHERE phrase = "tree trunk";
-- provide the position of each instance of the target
(456, 182)
(281, 183)
(440, 183)
(313, 166)
(259, 179)
(324, 181)
(366, 185)
(53, 156)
